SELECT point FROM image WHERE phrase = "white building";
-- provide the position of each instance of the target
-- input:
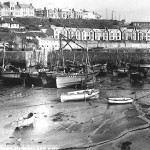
(48, 43)
(90, 15)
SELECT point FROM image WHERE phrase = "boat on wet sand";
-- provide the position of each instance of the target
(72, 79)
(26, 121)
(121, 100)
(79, 95)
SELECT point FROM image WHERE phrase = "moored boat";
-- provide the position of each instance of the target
(121, 100)
(79, 95)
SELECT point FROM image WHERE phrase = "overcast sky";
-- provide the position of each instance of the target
(131, 10)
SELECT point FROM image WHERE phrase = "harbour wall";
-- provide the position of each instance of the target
(25, 59)
(106, 44)
(102, 52)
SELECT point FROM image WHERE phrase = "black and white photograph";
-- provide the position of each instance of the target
(75, 75)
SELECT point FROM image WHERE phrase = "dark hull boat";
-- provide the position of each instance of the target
(120, 72)
(33, 79)
(48, 78)
(10, 77)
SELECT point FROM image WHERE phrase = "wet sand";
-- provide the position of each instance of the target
(93, 124)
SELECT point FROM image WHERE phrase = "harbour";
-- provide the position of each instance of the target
(93, 124)
(72, 78)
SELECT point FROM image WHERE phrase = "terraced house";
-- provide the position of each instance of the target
(16, 9)
(124, 34)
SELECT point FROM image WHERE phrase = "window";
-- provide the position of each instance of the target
(96, 36)
(91, 36)
(78, 35)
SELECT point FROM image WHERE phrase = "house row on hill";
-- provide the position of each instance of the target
(121, 34)
(66, 13)
(27, 10)
(16, 9)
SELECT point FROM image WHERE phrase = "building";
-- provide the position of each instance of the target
(51, 13)
(78, 13)
(90, 15)
(98, 34)
(66, 13)
(39, 12)
(10, 23)
(16, 10)
(141, 24)
(4, 10)
(48, 43)
(115, 34)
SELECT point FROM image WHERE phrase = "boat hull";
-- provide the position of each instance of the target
(79, 95)
(12, 78)
(69, 80)
(120, 100)
(24, 122)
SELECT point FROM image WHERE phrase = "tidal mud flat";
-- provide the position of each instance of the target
(92, 124)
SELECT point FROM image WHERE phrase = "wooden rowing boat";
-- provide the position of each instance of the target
(79, 95)
(121, 100)
(26, 121)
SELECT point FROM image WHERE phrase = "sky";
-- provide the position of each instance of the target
(131, 10)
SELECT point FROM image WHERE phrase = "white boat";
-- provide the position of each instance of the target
(80, 95)
(121, 100)
(71, 79)
(27, 121)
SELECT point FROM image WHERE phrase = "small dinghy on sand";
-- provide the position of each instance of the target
(26, 121)
(121, 100)
(80, 95)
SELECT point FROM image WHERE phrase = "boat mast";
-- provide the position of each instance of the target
(60, 42)
(4, 57)
(87, 55)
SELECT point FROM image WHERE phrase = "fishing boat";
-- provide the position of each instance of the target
(26, 121)
(69, 79)
(72, 79)
(101, 69)
(136, 77)
(79, 95)
(121, 100)
(10, 77)
(9, 73)
(120, 72)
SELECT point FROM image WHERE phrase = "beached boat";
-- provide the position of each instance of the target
(121, 100)
(26, 121)
(120, 72)
(72, 79)
(10, 77)
(69, 79)
(136, 77)
(79, 95)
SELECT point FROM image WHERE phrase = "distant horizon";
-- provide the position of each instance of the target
(130, 10)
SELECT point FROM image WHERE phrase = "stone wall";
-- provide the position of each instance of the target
(91, 44)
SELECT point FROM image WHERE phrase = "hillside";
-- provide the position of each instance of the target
(81, 23)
